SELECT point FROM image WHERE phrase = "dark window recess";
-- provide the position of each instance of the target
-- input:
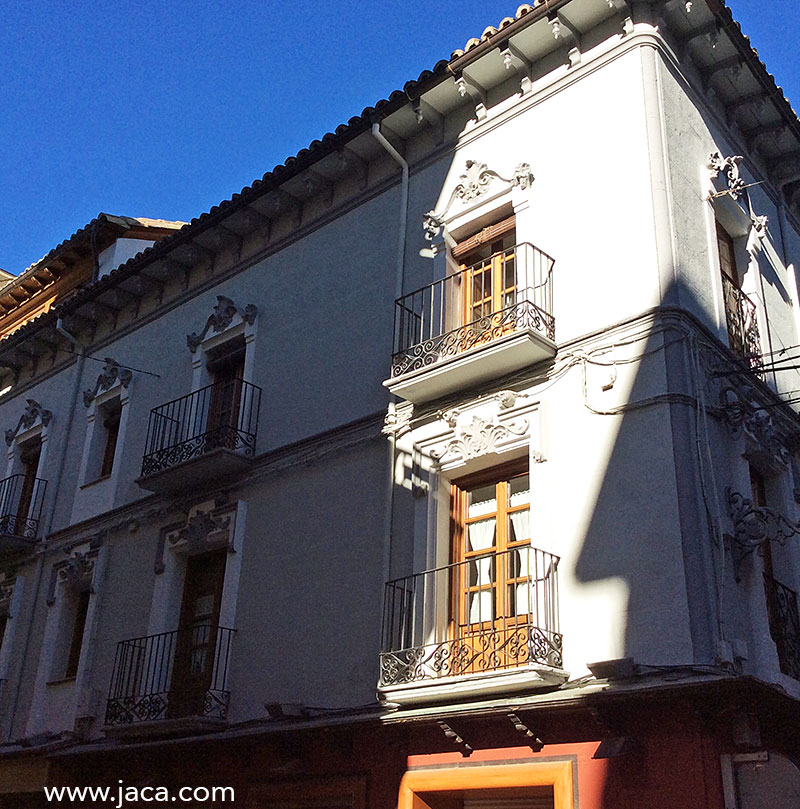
(29, 456)
(111, 419)
(78, 626)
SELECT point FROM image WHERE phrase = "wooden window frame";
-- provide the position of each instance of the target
(499, 476)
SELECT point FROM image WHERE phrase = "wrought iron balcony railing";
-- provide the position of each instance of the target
(174, 675)
(742, 321)
(492, 612)
(220, 415)
(21, 500)
(784, 620)
(508, 292)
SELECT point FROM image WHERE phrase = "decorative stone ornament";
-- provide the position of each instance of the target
(474, 182)
(220, 319)
(730, 166)
(479, 437)
(744, 416)
(203, 531)
(77, 572)
(33, 412)
(111, 374)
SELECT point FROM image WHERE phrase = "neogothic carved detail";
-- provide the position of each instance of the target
(479, 437)
(474, 182)
(220, 319)
(111, 374)
(33, 412)
(730, 166)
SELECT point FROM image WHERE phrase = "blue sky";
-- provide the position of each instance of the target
(164, 109)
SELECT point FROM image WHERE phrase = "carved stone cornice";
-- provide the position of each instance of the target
(753, 526)
(474, 182)
(33, 412)
(718, 164)
(111, 374)
(220, 319)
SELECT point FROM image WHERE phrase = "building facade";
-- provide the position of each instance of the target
(451, 464)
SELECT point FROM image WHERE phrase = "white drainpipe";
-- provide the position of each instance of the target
(398, 292)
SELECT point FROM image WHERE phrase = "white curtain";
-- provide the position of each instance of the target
(480, 537)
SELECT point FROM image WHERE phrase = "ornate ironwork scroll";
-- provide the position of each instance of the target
(489, 650)
(223, 415)
(740, 313)
(753, 526)
(520, 316)
(785, 627)
(171, 675)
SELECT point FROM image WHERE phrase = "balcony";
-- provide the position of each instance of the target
(784, 624)
(21, 500)
(487, 320)
(445, 637)
(172, 679)
(203, 436)
(742, 321)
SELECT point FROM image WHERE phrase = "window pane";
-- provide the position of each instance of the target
(481, 500)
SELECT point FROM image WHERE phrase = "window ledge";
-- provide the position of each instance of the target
(95, 482)
(61, 680)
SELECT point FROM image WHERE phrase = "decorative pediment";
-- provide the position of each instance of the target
(111, 375)
(221, 318)
(203, 531)
(474, 183)
(34, 413)
(729, 166)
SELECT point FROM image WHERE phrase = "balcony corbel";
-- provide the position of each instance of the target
(753, 527)
(532, 740)
(464, 748)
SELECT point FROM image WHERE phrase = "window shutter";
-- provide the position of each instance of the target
(488, 234)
